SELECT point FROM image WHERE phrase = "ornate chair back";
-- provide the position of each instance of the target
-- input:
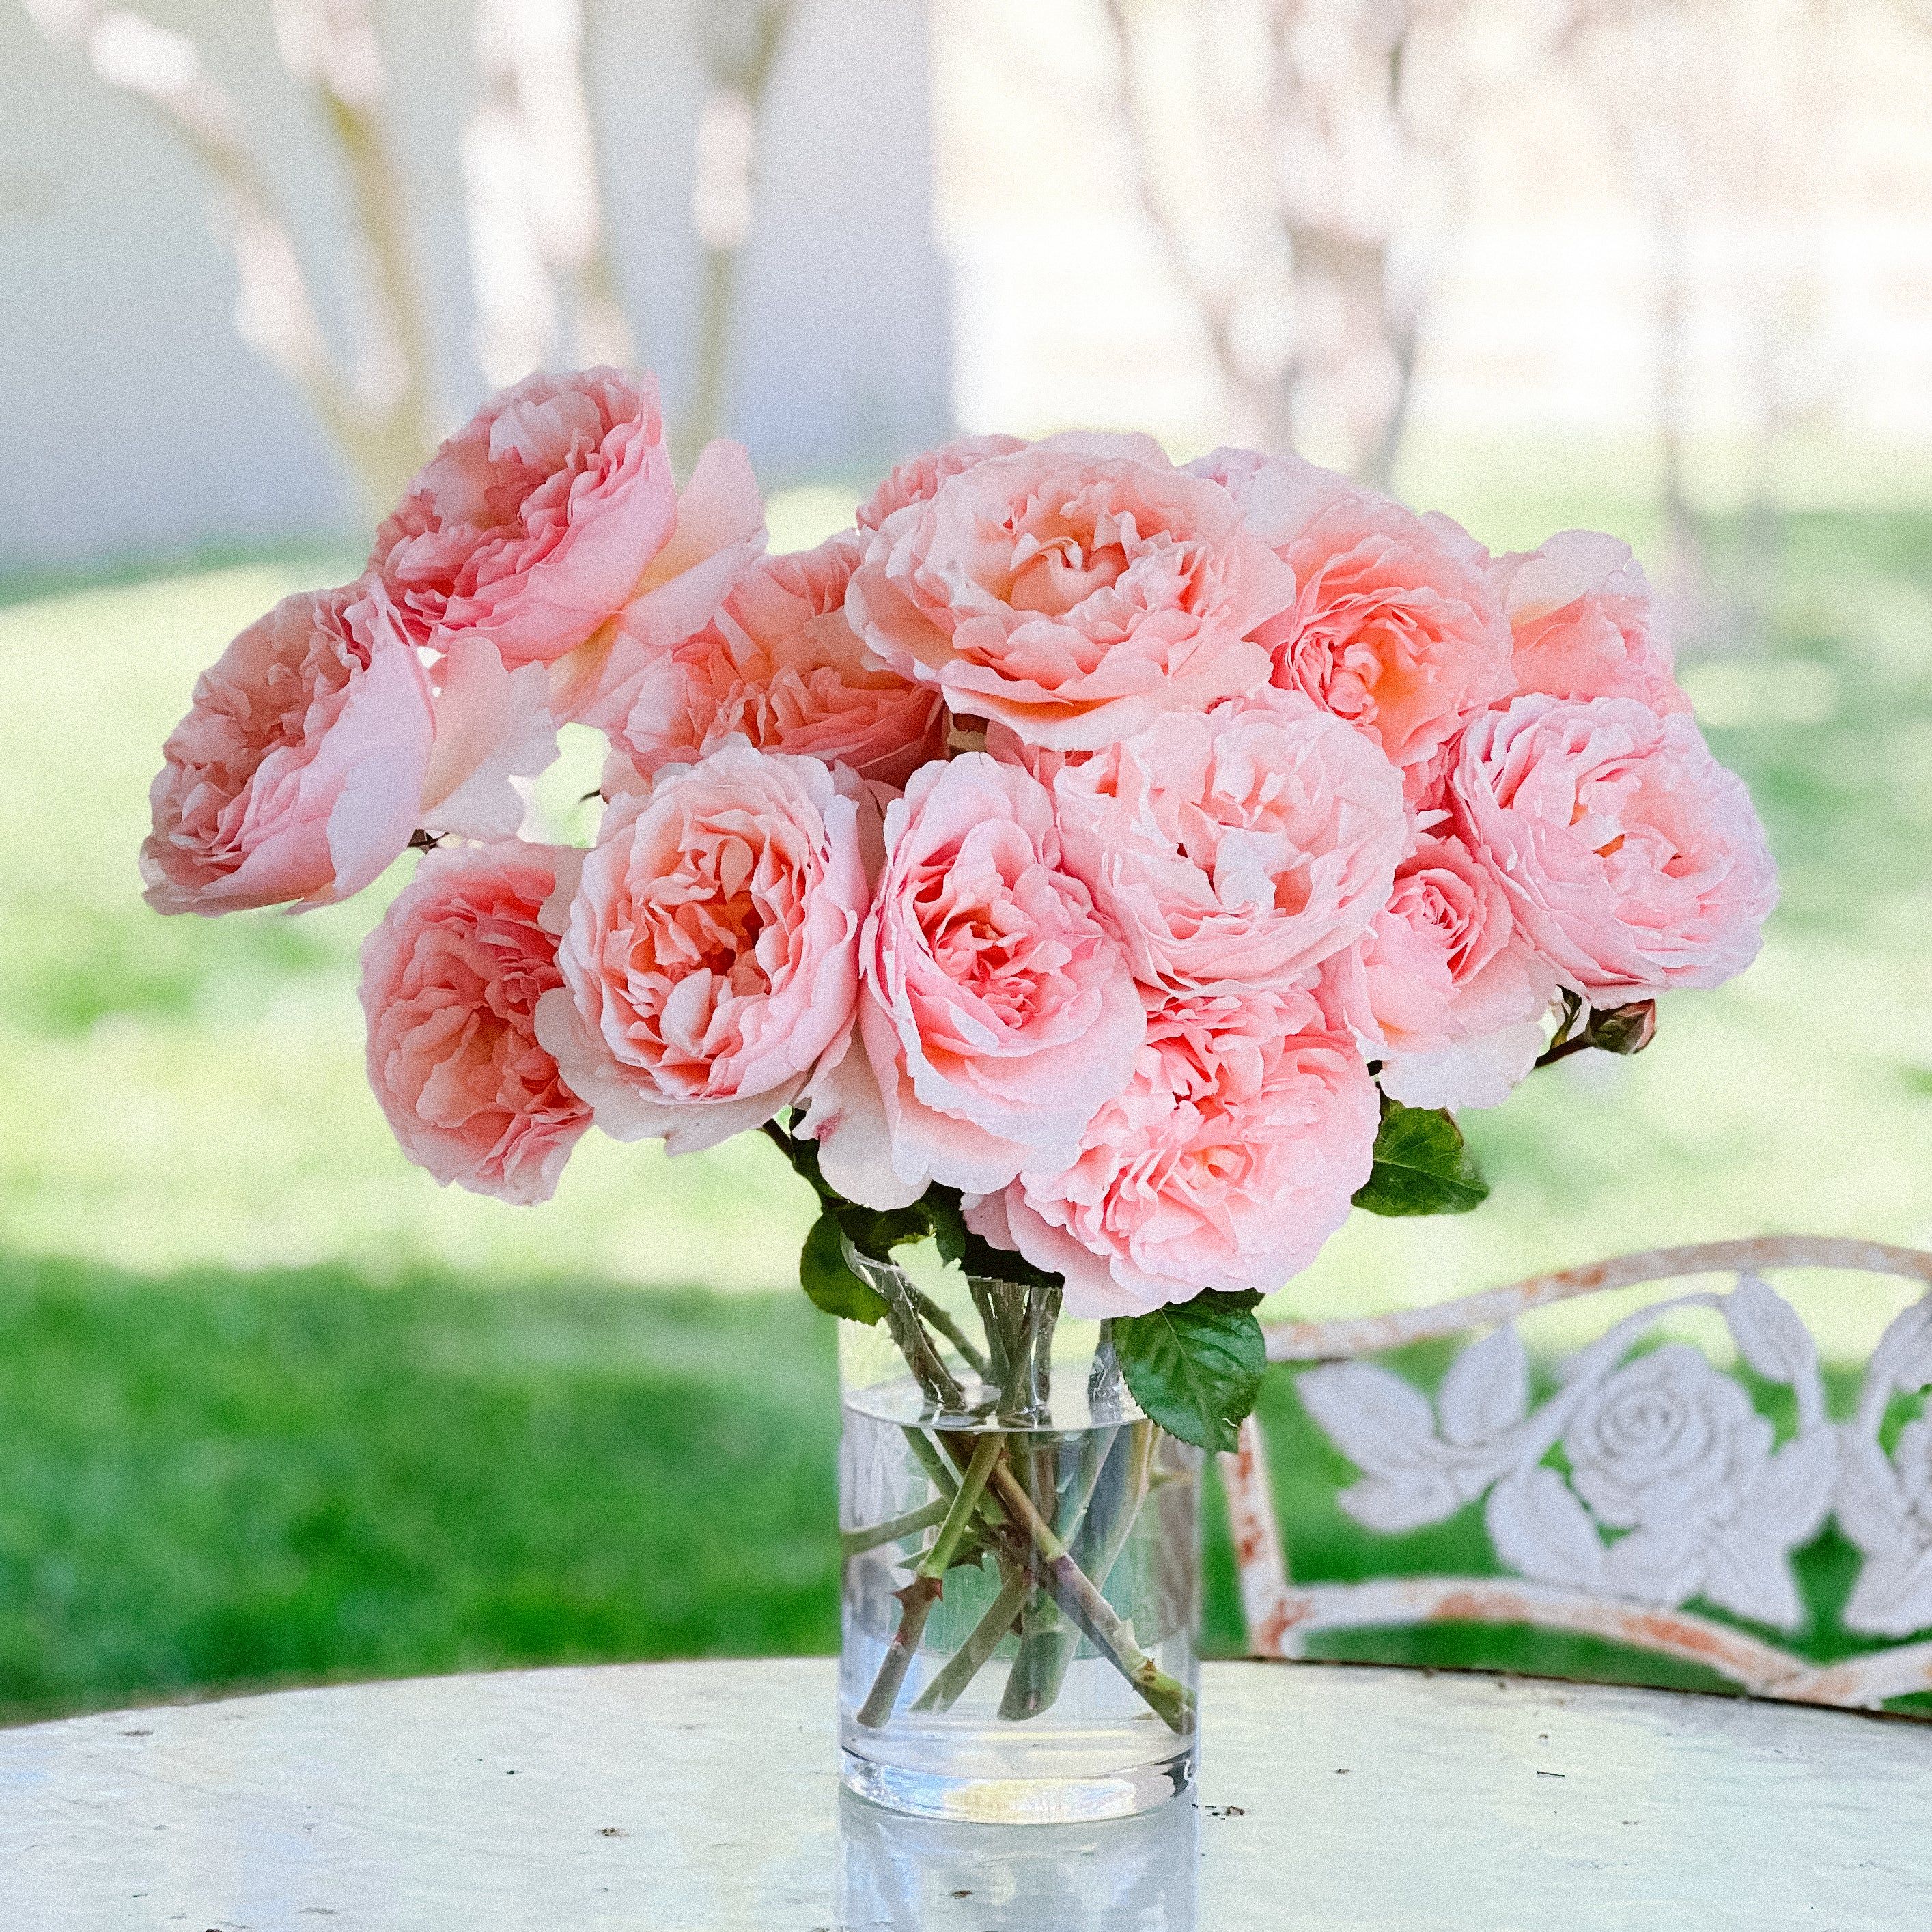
(1637, 1511)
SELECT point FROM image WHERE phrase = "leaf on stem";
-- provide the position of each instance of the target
(1422, 1165)
(1195, 1368)
(830, 1283)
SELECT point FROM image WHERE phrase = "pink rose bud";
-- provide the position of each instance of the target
(1624, 1029)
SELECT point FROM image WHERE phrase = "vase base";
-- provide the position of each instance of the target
(1019, 1801)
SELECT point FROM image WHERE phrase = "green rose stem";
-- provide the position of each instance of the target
(1047, 1644)
(969, 1353)
(856, 1542)
(1095, 1618)
(945, 1689)
(917, 1598)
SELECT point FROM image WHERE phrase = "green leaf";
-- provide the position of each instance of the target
(824, 1274)
(1423, 1166)
(1195, 1368)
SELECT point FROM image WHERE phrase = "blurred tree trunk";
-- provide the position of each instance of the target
(377, 403)
(1305, 219)
(546, 289)
(740, 40)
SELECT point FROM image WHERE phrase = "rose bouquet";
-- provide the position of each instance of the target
(1111, 871)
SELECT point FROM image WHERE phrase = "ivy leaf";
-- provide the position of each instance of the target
(825, 1276)
(1423, 1166)
(1196, 1368)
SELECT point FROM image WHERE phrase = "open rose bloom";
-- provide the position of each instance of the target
(1081, 857)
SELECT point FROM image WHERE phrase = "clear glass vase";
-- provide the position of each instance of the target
(1020, 1592)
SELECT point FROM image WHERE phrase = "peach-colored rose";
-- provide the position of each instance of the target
(997, 1015)
(1073, 590)
(1235, 850)
(918, 480)
(1231, 1156)
(709, 952)
(1445, 989)
(1393, 623)
(779, 667)
(533, 523)
(1632, 859)
(450, 981)
(298, 774)
(1580, 613)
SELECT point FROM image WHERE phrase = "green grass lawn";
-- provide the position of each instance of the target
(272, 1405)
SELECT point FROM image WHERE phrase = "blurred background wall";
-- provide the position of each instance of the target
(254, 259)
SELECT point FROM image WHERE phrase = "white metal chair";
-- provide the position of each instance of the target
(1640, 1494)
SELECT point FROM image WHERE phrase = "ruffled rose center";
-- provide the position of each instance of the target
(997, 927)
(698, 953)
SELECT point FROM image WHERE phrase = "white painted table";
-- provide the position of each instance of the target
(702, 1798)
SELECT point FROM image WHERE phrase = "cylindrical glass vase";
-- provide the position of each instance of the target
(1020, 1592)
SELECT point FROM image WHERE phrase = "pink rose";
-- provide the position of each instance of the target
(1579, 612)
(779, 667)
(298, 774)
(1632, 859)
(1393, 624)
(1073, 590)
(997, 1015)
(709, 953)
(918, 481)
(1445, 990)
(1232, 1154)
(450, 981)
(1238, 850)
(534, 522)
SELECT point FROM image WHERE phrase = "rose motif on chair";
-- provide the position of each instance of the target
(1675, 1486)
(1669, 1452)
(1666, 1443)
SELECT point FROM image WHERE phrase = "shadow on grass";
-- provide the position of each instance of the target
(222, 1478)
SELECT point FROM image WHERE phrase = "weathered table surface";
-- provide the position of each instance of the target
(669, 1797)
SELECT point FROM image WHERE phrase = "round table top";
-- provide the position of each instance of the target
(704, 1798)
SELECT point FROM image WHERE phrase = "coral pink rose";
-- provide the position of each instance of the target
(552, 511)
(918, 481)
(709, 952)
(298, 774)
(450, 981)
(1231, 1156)
(533, 522)
(997, 1014)
(778, 666)
(1073, 590)
(1632, 859)
(1580, 613)
(1393, 624)
(1237, 849)
(1445, 989)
